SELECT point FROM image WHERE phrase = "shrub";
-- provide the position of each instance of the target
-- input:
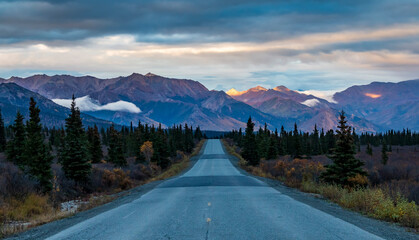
(33, 205)
(332, 192)
(116, 179)
(14, 183)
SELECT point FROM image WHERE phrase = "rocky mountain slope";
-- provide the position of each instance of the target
(169, 101)
(390, 105)
(15, 98)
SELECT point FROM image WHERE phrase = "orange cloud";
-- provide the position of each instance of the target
(372, 95)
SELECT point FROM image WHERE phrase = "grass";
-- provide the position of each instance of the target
(177, 168)
(34, 210)
(373, 202)
(232, 151)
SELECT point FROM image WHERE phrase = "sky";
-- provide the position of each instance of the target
(304, 45)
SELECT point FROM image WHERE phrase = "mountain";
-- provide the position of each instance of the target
(155, 99)
(160, 100)
(15, 98)
(305, 110)
(390, 105)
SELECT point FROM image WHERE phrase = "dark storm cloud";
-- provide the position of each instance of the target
(194, 21)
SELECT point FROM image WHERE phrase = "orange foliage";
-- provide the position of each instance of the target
(116, 177)
(297, 171)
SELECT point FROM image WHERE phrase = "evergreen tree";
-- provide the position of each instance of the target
(323, 143)
(37, 153)
(74, 158)
(250, 153)
(369, 149)
(315, 148)
(297, 142)
(188, 139)
(161, 153)
(198, 134)
(16, 146)
(95, 146)
(272, 149)
(2, 134)
(115, 149)
(283, 142)
(345, 165)
(384, 156)
(139, 139)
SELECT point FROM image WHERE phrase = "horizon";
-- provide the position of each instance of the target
(326, 46)
(237, 88)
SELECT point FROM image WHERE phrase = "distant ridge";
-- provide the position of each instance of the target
(175, 101)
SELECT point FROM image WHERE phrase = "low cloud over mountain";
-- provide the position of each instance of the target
(155, 99)
(88, 104)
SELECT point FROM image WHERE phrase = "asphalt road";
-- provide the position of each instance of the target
(213, 200)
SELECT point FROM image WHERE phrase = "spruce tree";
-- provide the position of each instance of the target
(74, 158)
(161, 153)
(384, 156)
(37, 154)
(16, 146)
(198, 134)
(369, 149)
(315, 149)
(297, 142)
(345, 165)
(95, 146)
(283, 142)
(115, 149)
(273, 148)
(2, 134)
(249, 152)
(139, 139)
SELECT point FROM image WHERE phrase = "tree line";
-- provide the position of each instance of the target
(30, 146)
(340, 146)
(271, 144)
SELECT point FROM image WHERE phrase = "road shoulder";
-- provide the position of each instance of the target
(380, 228)
(52, 228)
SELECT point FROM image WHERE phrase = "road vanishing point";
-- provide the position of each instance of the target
(213, 200)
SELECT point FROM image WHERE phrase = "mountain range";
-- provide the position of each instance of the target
(155, 99)
(14, 98)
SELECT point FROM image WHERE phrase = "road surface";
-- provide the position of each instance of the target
(213, 200)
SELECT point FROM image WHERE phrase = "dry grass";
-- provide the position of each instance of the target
(233, 150)
(303, 174)
(34, 210)
(373, 202)
(178, 167)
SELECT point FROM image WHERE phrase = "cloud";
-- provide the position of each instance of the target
(326, 95)
(87, 104)
(194, 21)
(320, 45)
(311, 102)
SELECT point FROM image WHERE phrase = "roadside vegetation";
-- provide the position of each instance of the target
(363, 172)
(48, 174)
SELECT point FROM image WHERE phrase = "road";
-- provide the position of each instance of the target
(213, 200)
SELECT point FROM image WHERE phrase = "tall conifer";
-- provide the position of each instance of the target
(115, 149)
(16, 146)
(74, 158)
(250, 153)
(297, 142)
(345, 166)
(95, 146)
(37, 154)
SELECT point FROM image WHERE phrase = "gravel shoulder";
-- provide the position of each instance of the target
(380, 228)
(124, 197)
